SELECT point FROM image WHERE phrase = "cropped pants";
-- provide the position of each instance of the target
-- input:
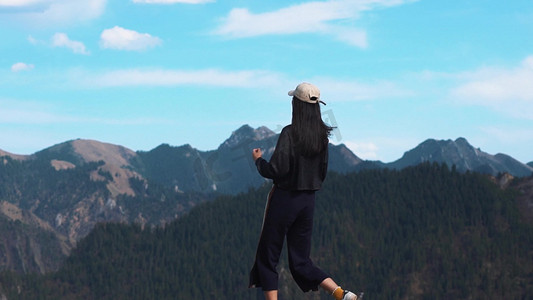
(287, 214)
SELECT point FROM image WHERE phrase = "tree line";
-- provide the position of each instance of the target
(424, 232)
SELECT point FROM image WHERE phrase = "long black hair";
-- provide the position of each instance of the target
(309, 132)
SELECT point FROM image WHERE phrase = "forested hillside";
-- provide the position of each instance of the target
(424, 232)
(46, 207)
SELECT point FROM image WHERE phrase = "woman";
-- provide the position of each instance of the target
(298, 167)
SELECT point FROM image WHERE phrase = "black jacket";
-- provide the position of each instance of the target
(291, 171)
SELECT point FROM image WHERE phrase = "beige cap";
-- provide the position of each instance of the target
(307, 92)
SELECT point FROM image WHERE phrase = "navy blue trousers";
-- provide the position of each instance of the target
(287, 214)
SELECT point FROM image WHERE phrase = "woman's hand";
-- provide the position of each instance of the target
(256, 153)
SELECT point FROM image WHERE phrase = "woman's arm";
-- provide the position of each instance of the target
(279, 164)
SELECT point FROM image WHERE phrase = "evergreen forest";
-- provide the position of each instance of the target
(424, 232)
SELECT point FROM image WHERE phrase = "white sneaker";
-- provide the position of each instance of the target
(351, 296)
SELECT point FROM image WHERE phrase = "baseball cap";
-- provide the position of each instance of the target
(307, 92)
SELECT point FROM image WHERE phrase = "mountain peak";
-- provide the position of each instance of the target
(461, 140)
(463, 155)
(164, 148)
(247, 133)
(440, 150)
(91, 150)
(77, 152)
(115, 158)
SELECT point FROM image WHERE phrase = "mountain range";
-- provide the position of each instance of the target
(463, 156)
(51, 199)
(229, 169)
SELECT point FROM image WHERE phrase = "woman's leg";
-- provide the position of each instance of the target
(271, 295)
(328, 285)
(264, 273)
(306, 275)
(336, 291)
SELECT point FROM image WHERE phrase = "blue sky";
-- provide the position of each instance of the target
(393, 73)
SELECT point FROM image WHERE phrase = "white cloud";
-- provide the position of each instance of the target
(15, 3)
(311, 17)
(50, 12)
(21, 67)
(62, 40)
(169, 78)
(17, 116)
(16, 111)
(353, 90)
(364, 150)
(22, 6)
(124, 39)
(334, 88)
(33, 41)
(352, 36)
(509, 90)
(173, 1)
(383, 148)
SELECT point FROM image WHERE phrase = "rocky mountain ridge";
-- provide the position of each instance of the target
(228, 169)
(209, 169)
(463, 156)
(58, 194)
